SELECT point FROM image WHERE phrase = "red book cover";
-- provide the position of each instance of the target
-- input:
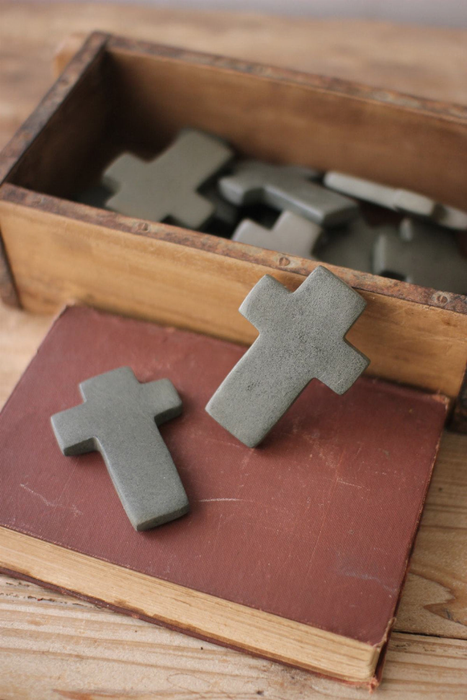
(314, 526)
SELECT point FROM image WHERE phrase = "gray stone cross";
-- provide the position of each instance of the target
(404, 201)
(286, 187)
(290, 234)
(422, 254)
(117, 419)
(351, 245)
(301, 337)
(167, 185)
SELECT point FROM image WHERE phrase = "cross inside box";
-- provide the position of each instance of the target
(314, 215)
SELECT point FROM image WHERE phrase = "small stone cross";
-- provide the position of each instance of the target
(422, 254)
(290, 234)
(451, 217)
(117, 419)
(286, 187)
(385, 196)
(167, 185)
(301, 337)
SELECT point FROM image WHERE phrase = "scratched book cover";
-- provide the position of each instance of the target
(316, 525)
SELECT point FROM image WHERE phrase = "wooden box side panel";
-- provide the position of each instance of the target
(58, 260)
(285, 116)
(66, 141)
(49, 150)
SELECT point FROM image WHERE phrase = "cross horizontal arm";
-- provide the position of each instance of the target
(192, 209)
(75, 430)
(163, 400)
(345, 365)
(244, 187)
(263, 302)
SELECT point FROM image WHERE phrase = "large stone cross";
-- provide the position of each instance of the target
(286, 187)
(117, 419)
(301, 337)
(167, 186)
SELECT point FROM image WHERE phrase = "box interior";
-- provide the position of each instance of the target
(120, 95)
(128, 100)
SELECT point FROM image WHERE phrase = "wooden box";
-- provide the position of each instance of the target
(117, 94)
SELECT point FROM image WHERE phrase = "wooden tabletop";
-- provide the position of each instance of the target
(53, 646)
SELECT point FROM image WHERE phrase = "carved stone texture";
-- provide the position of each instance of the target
(117, 419)
(301, 337)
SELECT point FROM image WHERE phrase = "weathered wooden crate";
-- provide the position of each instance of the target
(118, 93)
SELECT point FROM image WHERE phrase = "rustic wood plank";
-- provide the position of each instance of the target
(397, 57)
(139, 275)
(92, 653)
(434, 600)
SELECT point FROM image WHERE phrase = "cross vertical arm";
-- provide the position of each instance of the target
(144, 475)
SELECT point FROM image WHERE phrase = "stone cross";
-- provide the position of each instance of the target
(290, 234)
(286, 187)
(451, 217)
(166, 186)
(351, 245)
(95, 196)
(385, 196)
(301, 337)
(117, 419)
(422, 254)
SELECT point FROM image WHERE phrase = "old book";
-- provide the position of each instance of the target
(296, 551)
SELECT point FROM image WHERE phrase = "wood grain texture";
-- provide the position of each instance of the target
(92, 654)
(53, 646)
(434, 600)
(139, 275)
(211, 617)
